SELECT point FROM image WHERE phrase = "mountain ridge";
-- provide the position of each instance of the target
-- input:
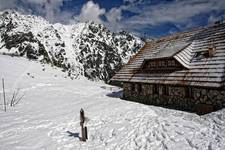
(83, 49)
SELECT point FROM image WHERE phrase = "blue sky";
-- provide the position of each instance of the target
(150, 18)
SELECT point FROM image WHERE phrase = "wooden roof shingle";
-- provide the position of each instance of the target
(204, 72)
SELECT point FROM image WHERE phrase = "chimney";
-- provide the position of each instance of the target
(211, 50)
(218, 22)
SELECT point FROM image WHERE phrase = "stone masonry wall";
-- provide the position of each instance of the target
(193, 99)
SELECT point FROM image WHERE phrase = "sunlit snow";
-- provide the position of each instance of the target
(47, 118)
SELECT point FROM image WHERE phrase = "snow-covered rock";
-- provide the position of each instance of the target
(82, 49)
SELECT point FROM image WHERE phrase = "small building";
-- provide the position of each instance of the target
(184, 71)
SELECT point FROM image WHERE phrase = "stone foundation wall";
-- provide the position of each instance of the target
(193, 99)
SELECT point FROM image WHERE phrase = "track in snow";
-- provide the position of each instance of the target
(48, 116)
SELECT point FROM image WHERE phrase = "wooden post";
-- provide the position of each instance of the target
(86, 134)
(3, 89)
(83, 129)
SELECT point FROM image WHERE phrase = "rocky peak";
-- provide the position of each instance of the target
(82, 49)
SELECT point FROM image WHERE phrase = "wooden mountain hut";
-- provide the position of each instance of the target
(184, 71)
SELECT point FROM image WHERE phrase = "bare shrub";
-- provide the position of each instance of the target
(16, 98)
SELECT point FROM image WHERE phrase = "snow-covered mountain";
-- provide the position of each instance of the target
(82, 49)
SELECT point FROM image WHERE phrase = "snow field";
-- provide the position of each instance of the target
(47, 118)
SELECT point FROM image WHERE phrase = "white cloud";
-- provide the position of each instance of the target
(7, 4)
(213, 18)
(114, 16)
(35, 1)
(179, 12)
(91, 12)
(50, 9)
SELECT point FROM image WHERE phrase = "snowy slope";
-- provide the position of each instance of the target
(82, 49)
(48, 116)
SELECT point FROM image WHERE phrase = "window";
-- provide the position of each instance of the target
(132, 88)
(173, 63)
(153, 64)
(164, 63)
(155, 89)
(149, 65)
(201, 55)
(165, 90)
(138, 88)
(188, 92)
(169, 63)
(159, 64)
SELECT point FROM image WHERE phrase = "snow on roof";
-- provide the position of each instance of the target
(167, 49)
(203, 71)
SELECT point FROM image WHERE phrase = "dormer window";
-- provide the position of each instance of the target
(205, 54)
(201, 55)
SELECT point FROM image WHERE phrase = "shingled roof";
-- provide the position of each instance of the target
(185, 47)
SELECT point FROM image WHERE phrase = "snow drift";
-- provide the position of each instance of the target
(47, 118)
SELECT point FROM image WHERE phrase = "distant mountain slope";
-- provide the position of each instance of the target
(82, 49)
